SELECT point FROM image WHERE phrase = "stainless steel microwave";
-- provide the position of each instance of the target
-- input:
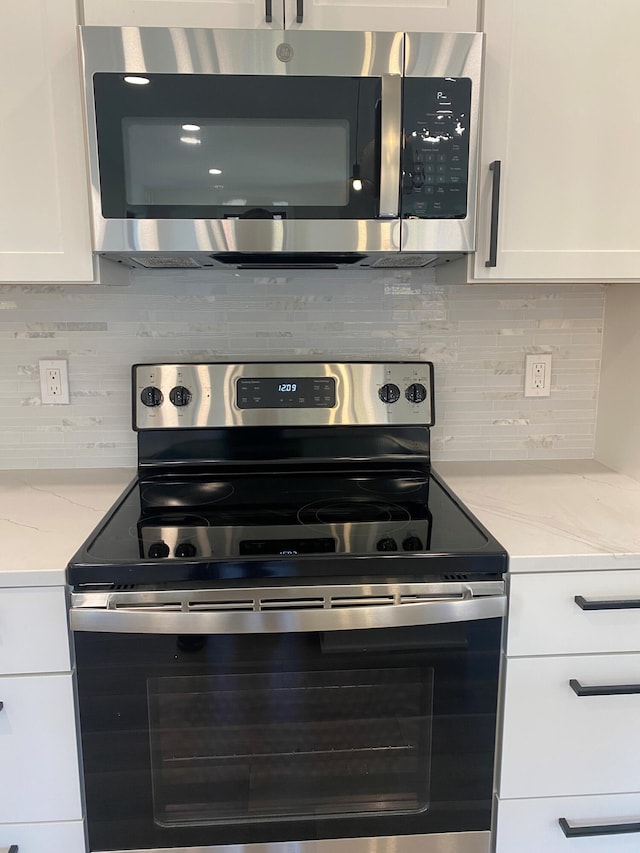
(257, 148)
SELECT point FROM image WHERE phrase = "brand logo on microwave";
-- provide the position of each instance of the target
(284, 52)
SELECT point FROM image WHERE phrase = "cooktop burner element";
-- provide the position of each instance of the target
(256, 488)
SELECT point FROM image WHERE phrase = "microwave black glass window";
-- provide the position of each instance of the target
(203, 146)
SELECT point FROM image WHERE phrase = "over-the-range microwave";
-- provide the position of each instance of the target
(259, 148)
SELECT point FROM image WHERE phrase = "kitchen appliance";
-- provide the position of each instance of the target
(287, 629)
(259, 148)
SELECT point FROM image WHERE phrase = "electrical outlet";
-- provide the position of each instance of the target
(54, 382)
(537, 375)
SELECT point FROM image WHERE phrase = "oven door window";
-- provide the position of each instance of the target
(290, 745)
(206, 146)
(198, 741)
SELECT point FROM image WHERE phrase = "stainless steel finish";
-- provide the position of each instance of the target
(213, 388)
(202, 51)
(447, 55)
(286, 609)
(181, 243)
(357, 537)
(446, 842)
(390, 144)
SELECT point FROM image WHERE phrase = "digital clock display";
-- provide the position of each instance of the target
(286, 392)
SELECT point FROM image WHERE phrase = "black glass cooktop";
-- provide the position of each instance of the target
(248, 527)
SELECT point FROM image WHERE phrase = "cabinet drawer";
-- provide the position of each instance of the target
(531, 826)
(38, 750)
(556, 743)
(33, 630)
(544, 618)
(66, 837)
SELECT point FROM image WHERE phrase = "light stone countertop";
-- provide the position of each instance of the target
(45, 515)
(579, 513)
(553, 515)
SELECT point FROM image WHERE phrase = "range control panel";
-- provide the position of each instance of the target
(187, 396)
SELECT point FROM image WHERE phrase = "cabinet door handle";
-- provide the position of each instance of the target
(582, 830)
(603, 689)
(607, 604)
(268, 11)
(1, 705)
(299, 11)
(495, 213)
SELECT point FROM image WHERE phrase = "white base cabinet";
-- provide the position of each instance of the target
(41, 807)
(532, 826)
(67, 837)
(569, 735)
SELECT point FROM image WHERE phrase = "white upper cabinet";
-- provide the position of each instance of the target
(44, 205)
(559, 113)
(243, 14)
(386, 15)
(457, 16)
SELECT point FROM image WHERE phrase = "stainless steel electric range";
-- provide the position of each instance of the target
(287, 628)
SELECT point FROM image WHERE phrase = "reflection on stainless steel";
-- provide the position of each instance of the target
(286, 609)
(445, 842)
(213, 400)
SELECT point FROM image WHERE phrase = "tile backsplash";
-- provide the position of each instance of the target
(476, 336)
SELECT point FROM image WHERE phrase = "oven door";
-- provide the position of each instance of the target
(242, 141)
(290, 718)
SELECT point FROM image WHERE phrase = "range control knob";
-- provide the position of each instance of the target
(158, 549)
(180, 395)
(387, 544)
(389, 393)
(412, 543)
(186, 549)
(416, 393)
(151, 396)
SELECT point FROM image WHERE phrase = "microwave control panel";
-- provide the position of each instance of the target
(435, 156)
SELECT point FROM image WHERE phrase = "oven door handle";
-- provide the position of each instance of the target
(189, 612)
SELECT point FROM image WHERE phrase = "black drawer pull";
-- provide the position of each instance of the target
(610, 604)
(582, 830)
(268, 11)
(603, 689)
(1, 705)
(299, 11)
(495, 214)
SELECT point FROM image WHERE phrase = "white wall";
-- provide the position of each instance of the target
(618, 424)
(477, 337)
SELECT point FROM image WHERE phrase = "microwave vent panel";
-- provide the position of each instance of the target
(167, 262)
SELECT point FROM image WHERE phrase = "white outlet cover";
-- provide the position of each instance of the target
(54, 364)
(537, 374)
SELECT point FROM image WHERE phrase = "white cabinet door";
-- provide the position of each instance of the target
(65, 837)
(243, 14)
(559, 114)
(34, 636)
(456, 16)
(557, 743)
(532, 826)
(38, 750)
(44, 201)
(546, 619)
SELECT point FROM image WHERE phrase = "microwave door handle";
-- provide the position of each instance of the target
(390, 142)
